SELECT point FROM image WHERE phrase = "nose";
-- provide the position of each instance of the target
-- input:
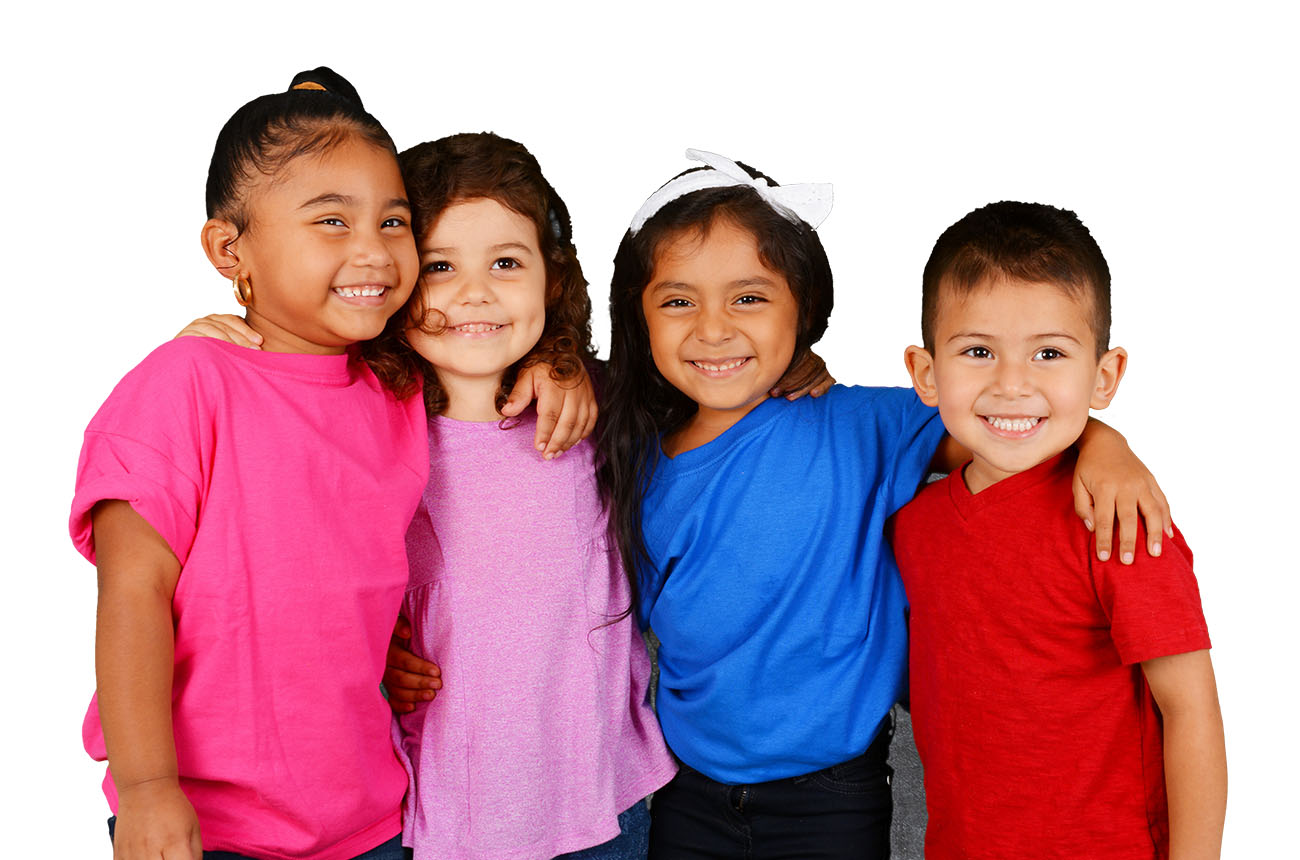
(713, 326)
(472, 288)
(1013, 379)
(370, 250)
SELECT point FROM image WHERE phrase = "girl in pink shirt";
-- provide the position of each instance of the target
(541, 741)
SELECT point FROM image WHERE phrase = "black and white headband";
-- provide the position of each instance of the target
(809, 202)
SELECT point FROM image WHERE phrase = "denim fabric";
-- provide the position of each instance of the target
(630, 844)
(390, 850)
(838, 813)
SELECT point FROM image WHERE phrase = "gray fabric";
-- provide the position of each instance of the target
(908, 836)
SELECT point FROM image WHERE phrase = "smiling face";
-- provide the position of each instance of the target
(328, 249)
(482, 270)
(722, 325)
(1014, 373)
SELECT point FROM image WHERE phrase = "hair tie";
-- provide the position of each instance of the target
(809, 202)
(308, 85)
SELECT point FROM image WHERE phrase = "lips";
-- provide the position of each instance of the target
(720, 366)
(1012, 425)
(366, 291)
(475, 328)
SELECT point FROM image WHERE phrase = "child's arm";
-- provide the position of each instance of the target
(1196, 769)
(134, 642)
(1110, 483)
(566, 411)
(408, 680)
(809, 376)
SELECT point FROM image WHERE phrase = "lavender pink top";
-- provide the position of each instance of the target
(542, 732)
(284, 485)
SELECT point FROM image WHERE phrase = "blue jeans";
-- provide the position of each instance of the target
(630, 844)
(838, 813)
(390, 850)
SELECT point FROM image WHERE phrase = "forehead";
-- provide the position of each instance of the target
(721, 252)
(353, 167)
(1002, 305)
(480, 218)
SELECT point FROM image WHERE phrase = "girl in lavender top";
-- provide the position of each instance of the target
(541, 741)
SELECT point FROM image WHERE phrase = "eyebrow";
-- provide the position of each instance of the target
(495, 249)
(336, 199)
(755, 281)
(979, 335)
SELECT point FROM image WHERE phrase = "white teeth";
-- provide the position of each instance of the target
(715, 368)
(476, 328)
(1014, 425)
(354, 292)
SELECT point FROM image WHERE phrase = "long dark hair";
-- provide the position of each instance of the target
(640, 405)
(463, 167)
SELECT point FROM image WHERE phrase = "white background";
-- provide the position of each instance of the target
(1167, 127)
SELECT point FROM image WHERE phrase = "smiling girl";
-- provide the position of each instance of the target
(246, 511)
(541, 741)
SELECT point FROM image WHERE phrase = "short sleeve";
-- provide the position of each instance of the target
(910, 433)
(143, 447)
(116, 467)
(1154, 604)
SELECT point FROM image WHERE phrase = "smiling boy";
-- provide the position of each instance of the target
(1062, 706)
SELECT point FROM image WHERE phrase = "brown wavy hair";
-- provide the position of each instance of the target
(463, 167)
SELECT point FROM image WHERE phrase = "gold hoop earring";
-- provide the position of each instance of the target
(243, 288)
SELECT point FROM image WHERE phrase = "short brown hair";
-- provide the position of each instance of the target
(1030, 242)
(463, 167)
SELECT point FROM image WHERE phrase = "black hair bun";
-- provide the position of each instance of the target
(325, 78)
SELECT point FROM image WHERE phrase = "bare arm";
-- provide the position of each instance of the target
(1196, 769)
(134, 644)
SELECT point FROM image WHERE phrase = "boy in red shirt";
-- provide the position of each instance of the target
(1062, 706)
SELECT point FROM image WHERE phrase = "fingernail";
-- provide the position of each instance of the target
(1127, 558)
(1155, 549)
(1169, 531)
(1103, 554)
(1087, 524)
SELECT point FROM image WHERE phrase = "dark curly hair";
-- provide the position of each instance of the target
(463, 167)
(640, 405)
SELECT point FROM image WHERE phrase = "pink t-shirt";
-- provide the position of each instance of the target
(542, 733)
(284, 485)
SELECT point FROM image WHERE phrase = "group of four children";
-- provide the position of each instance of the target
(259, 517)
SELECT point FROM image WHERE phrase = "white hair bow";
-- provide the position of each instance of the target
(809, 202)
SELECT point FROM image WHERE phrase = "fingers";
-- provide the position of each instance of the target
(1126, 512)
(570, 427)
(1103, 506)
(409, 688)
(1157, 518)
(402, 629)
(522, 394)
(1083, 503)
(550, 409)
(227, 327)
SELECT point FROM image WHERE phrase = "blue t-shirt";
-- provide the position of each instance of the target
(776, 600)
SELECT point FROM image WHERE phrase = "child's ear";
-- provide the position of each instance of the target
(920, 364)
(217, 236)
(1110, 370)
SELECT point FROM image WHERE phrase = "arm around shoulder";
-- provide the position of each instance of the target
(1196, 770)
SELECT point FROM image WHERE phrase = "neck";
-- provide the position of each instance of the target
(703, 427)
(276, 338)
(470, 398)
